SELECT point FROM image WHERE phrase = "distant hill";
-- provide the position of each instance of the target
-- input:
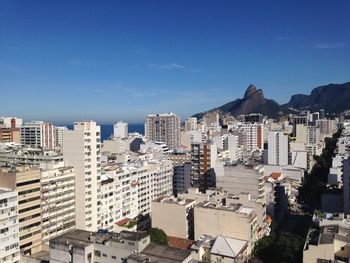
(333, 98)
(253, 101)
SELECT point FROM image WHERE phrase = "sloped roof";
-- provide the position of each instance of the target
(228, 247)
(276, 176)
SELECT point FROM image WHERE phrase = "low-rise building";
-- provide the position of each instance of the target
(328, 241)
(224, 249)
(104, 247)
(174, 216)
(235, 220)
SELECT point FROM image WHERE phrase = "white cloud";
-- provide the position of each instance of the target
(166, 66)
(333, 45)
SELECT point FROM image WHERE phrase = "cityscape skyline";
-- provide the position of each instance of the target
(124, 60)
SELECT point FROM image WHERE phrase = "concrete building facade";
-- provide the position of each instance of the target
(174, 216)
(26, 181)
(9, 230)
(120, 130)
(278, 148)
(58, 199)
(164, 128)
(81, 150)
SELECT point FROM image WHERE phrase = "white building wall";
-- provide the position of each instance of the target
(120, 130)
(81, 149)
(9, 226)
(278, 148)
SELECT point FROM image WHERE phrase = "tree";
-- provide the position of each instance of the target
(285, 247)
(158, 236)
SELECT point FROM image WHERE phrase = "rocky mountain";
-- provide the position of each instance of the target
(253, 101)
(333, 98)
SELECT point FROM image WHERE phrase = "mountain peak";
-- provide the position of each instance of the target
(250, 90)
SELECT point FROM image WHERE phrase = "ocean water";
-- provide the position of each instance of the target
(107, 129)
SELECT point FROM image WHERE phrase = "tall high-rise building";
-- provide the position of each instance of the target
(58, 199)
(59, 136)
(211, 118)
(298, 120)
(9, 241)
(346, 185)
(204, 156)
(253, 136)
(278, 148)
(26, 181)
(191, 124)
(81, 149)
(164, 128)
(38, 134)
(120, 130)
(231, 143)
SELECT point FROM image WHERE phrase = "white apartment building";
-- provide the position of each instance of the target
(38, 134)
(278, 148)
(120, 130)
(81, 150)
(230, 143)
(105, 247)
(253, 136)
(241, 178)
(191, 124)
(165, 128)
(9, 228)
(58, 199)
(10, 122)
(59, 136)
(128, 189)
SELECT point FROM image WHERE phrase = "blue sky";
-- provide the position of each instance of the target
(110, 60)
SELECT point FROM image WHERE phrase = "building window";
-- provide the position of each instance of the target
(97, 253)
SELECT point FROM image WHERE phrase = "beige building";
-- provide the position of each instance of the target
(81, 150)
(174, 216)
(235, 221)
(10, 135)
(328, 243)
(221, 197)
(220, 249)
(58, 199)
(26, 181)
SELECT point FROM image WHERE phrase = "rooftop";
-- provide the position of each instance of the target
(228, 247)
(174, 200)
(234, 207)
(158, 253)
(82, 238)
